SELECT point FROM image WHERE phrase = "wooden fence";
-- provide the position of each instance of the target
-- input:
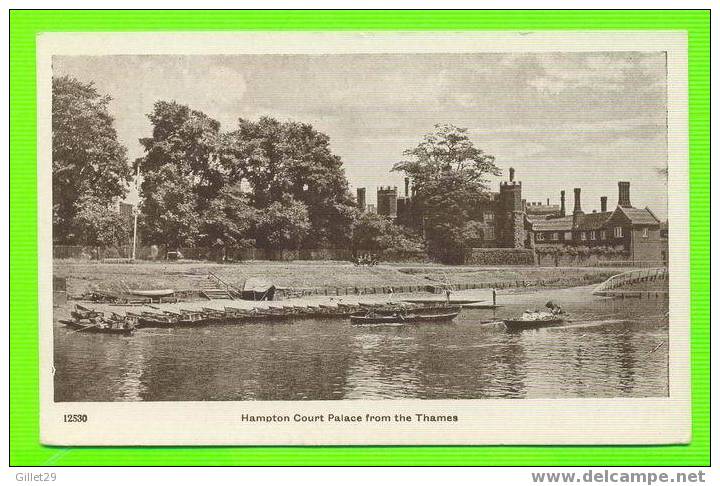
(617, 282)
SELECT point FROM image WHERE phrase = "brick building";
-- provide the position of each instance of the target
(506, 220)
(633, 231)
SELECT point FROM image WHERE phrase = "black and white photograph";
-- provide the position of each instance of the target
(346, 226)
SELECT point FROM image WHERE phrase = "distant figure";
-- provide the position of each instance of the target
(494, 297)
(554, 308)
(447, 295)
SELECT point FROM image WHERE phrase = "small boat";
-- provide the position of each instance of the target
(152, 293)
(480, 305)
(99, 328)
(151, 319)
(441, 301)
(547, 320)
(401, 319)
(81, 312)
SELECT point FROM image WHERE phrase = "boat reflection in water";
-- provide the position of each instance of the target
(612, 348)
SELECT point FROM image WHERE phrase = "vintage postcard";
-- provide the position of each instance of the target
(363, 238)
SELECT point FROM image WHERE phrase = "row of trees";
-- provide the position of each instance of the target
(266, 183)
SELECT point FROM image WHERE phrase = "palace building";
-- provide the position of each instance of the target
(506, 220)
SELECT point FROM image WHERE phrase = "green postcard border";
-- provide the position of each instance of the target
(25, 449)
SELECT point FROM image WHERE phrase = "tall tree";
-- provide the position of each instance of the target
(283, 224)
(182, 174)
(289, 158)
(89, 164)
(450, 176)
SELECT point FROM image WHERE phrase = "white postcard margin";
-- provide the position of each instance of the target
(480, 422)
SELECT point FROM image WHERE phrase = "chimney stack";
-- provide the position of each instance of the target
(562, 203)
(548, 201)
(361, 198)
(407, 187)
(624, 195)
(512, 174)
(603, 204)
(577, 208)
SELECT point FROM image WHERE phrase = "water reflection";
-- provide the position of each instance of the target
(609, 350)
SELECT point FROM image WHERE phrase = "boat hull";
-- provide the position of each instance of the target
(89, 328)
(519, 325)
(407, 319)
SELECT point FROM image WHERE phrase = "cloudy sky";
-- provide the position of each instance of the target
(563, 120)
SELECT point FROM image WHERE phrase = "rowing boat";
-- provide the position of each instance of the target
(402, 319)
(152, 293)
(99, 328)
(522, 324)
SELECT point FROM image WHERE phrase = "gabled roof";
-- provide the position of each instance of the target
(553, 224)
(593, 221)
(639, 216)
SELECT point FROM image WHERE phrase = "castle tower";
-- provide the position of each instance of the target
(387, 201)
(361, 198)
(512, 220)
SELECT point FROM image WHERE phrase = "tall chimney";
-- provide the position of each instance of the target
(407, 187)
(562, 203)
(548, 201)
(603, 204)
(361, 198)
(624, 195)
(577, 208)
(512, 174)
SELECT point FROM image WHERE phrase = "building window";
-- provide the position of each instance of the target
(603, 235)
(568, 235)
(583, 236)
(489, 233)
(618, 232)
(592, 235)
(539, 236)
(488, 216)
(556, 236)
(645, 233)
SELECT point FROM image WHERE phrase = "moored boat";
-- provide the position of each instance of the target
(102, 327)
(402, 318)
(152, 293)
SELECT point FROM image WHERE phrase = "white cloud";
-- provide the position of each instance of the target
(599, 71)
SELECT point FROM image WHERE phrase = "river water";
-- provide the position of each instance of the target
(612, 348)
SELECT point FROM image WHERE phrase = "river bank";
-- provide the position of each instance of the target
(612, 348)
(322, 277)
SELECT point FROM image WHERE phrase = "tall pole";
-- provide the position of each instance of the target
(137, 177)
(135, 233)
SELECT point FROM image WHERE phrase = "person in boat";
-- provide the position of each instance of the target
(554, 308)
(447, 295)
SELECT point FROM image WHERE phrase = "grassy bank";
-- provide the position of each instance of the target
(84, 276)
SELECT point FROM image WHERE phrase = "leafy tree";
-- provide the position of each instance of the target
(283, 224)
(229, 220)
(183, 174)
(450, 176)
(88, 161)
(289, 158)
(98, 225)
(376, 233)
